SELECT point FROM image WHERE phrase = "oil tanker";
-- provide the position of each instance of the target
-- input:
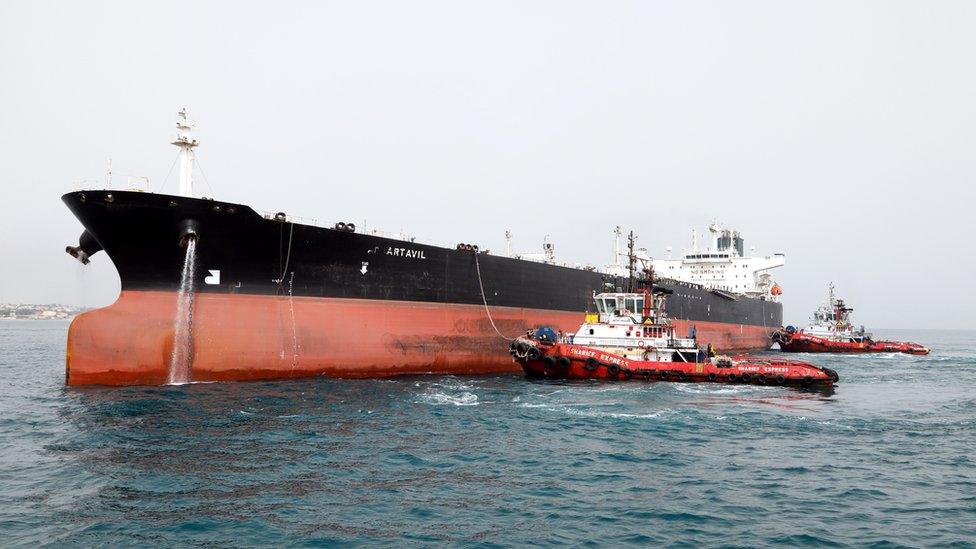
(235, 294)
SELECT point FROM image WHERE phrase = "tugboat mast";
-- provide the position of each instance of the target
(631, 261)
(186, 142)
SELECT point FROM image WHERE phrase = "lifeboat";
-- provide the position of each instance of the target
(631, 338)
(831, 331)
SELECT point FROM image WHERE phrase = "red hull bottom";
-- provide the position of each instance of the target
(245, 337)
(803, 343)
(567, 361)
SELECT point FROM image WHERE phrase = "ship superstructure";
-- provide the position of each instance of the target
(723, 265)
(636, 326)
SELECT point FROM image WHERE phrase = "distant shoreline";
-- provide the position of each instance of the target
(40, 319)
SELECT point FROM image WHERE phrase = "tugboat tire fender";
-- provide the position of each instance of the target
(732, 378)
(712, 376)
(534, 353)
(563, 362)
(613, 369)
(761, 378)
(746, 377)
(549, 361)
(591, 364)
(780, 379)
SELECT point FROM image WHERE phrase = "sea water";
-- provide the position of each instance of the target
(885, 459)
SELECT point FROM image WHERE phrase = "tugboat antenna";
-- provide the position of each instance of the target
(631, 261)
(185, 141)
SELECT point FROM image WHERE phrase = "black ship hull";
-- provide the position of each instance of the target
(340, 290)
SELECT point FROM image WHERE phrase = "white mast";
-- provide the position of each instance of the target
(616, 246)
(185, 141)
(508, 243)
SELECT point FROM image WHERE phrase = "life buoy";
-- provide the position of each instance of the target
(640, 343)
(591, 364)
(534, 353)
(613, 370)
(563, 362)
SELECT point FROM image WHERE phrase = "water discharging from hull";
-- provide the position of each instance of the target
(182, 357)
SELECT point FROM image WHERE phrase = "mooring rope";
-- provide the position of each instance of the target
(294, 329)
(281, 279)
(484, 300)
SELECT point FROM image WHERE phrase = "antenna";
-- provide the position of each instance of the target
(508, 243)
(185, 141)
(616, 246)
(631, 261)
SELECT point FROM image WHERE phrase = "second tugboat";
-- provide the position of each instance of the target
(631, 337)
(831, 331)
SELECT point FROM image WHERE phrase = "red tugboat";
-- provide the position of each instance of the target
(831, 331)
(632, 338)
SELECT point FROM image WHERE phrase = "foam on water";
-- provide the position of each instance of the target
(462, 399)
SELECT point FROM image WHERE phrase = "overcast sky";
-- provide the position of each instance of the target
(842, 134)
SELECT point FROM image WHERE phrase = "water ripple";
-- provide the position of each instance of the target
(884, 460)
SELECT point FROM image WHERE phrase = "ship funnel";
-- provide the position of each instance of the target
(87, 247)
(189, 228)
